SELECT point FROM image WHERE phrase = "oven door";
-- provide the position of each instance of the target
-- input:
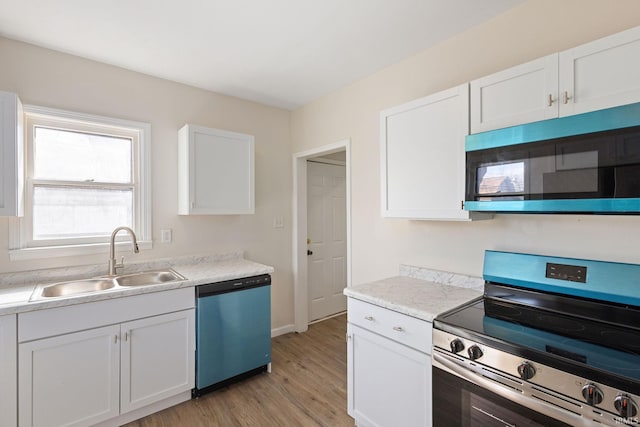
(459, 402)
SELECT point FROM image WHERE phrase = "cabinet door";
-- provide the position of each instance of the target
(601, 74)
(422, 157)
(11, 155)
(70, 380)
(8, 371)
(389, 384)
(521, 94)
(216, 171)
(158, 358)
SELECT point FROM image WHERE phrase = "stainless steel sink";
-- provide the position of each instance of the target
(76, 287)
(148, 278)
(101, 284)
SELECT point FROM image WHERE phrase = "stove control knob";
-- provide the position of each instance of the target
(456, 345)
(592, 394)
(474, 352)
(526, 371)
(625, 406)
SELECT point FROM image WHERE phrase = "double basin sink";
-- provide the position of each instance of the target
(101, 284)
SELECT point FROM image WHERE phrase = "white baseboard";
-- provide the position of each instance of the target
(328, 317)
(146, 410)
(283, 330)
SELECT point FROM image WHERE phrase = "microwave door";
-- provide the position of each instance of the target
(627, 181)
(567, 184)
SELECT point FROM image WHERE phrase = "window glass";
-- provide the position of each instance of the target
(501, 178)
(79, 212)
(80, 156)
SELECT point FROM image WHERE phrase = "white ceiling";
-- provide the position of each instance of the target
(284, 53)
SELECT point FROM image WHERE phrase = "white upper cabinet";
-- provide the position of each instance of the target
(601, 74)
(215, 172)
(11, 155)
(423, 158)
(522, 94)
(597, 75)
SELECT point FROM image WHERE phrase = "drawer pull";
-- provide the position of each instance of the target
(369, 318)
(398, 328)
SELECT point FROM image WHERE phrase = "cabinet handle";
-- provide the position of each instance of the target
(398, 328)
(550, 100)
(565, 97)
(369, 318)
(126, 336)
(115, 339)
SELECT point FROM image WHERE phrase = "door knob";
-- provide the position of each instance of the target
(309, 252)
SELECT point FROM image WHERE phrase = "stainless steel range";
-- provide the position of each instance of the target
(553, 342)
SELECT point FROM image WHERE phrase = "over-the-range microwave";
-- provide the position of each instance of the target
(587, 163)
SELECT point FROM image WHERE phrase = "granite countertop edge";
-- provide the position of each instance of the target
(16, 289)
(419, 298)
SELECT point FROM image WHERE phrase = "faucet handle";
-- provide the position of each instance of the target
(120, 264)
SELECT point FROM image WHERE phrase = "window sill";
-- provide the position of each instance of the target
(72, 250)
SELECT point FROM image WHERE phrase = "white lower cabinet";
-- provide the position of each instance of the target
(102, 373)
(389, 381)
(70, 380)
(8, 371)
(155, 359)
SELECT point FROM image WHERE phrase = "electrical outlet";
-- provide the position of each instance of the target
(278, 222)
(165, 236)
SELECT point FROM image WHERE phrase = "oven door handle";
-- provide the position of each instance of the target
(450, 365)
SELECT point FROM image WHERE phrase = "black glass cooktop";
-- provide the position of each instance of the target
(571, 335)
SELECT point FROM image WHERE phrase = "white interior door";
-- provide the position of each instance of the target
(327, 239)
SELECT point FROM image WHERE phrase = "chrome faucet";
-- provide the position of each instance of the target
(112, 250)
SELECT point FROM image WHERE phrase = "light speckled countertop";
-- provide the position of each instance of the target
(16, 288)
(416, 297)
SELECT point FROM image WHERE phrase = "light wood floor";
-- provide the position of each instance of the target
(307, 387)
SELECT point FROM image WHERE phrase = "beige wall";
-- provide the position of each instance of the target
(534, 29)
(538, 27)
(47, 78)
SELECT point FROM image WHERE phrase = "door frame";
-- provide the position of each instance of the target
(300, 270)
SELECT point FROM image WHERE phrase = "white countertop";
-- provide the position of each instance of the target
(16, 288)
(414, 297)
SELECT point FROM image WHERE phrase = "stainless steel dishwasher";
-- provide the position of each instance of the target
(233, 331)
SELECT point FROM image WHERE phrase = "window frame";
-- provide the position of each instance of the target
(21, 243)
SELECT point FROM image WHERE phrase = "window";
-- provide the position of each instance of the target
(85, 176)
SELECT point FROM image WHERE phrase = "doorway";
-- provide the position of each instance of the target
(307, 285)
(326, 235)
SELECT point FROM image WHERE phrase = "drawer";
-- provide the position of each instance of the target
(399, 327)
